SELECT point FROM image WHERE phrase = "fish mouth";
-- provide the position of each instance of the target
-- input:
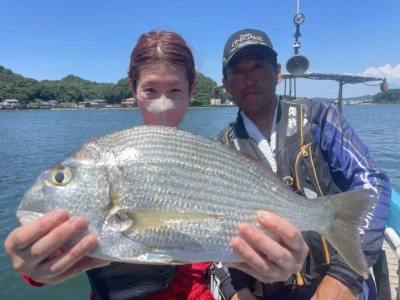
(26, 216)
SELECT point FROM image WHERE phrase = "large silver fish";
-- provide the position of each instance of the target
(162, 195)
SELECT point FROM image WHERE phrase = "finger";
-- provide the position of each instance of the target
(257, 238)
(263, 250)
(268, 251)
(273, 274)
(61, 263)
(294, 249)
(85, 264)
(68, 263)
(287, 232)
(26, 235)
(251, 259)
(58, 237)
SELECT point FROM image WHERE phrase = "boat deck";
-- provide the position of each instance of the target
(393, 265)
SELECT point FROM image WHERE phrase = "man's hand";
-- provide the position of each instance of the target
(272, 257)
(243, 294)
(331, 288)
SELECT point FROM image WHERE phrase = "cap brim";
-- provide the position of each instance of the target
(264, 47)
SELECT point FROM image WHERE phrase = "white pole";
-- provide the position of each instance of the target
(394, 239)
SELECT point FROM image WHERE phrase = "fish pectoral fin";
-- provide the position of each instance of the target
(119, 221)
(117, 218)
(155, 219)
(25, 216)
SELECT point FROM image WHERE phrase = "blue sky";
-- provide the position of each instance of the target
(47, 39)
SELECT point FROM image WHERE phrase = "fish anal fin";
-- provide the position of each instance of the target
(161, 259)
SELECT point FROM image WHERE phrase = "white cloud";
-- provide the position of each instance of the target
(391, 73)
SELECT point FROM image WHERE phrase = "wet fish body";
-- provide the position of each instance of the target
(162, 195)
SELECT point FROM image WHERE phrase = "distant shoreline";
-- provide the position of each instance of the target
(189, 107)
(136, 108)
(106, 108)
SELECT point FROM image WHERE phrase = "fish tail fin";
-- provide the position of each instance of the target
(351, 210)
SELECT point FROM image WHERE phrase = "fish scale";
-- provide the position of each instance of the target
(157, 194)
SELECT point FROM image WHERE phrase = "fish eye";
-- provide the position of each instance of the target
(61, 176)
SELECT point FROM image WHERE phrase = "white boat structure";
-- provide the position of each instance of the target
(341, 79)
(392, 245)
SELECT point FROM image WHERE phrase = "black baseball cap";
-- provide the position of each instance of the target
(244, 38)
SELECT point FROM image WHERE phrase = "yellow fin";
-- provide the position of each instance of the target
(154, 219)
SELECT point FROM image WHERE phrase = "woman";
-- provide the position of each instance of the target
(162, 78)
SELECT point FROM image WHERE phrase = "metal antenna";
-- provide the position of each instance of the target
(297, 64)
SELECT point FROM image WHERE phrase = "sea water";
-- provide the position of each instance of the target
(32, 140)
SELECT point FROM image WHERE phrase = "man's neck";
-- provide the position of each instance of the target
(263, 118)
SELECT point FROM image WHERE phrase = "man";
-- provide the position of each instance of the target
(250, 75)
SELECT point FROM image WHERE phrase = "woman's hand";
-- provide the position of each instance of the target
(34, 248)
(273, 257)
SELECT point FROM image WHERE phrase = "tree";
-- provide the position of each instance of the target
(203, 90)
(118, 92)
(75, 89)
(392, 95)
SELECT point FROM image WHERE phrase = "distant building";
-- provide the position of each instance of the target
(68, 105)
(215, 101)
(43, 105)
(53, 103)
(228, 102)
(31, 105)
(98, 103)
(10, 103)
(130, 102)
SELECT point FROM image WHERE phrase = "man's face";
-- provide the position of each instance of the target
(251, 79)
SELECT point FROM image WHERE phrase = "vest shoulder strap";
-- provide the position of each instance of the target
(293, 130)
(293, 122)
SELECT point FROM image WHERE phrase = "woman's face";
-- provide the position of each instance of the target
(163, 93)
